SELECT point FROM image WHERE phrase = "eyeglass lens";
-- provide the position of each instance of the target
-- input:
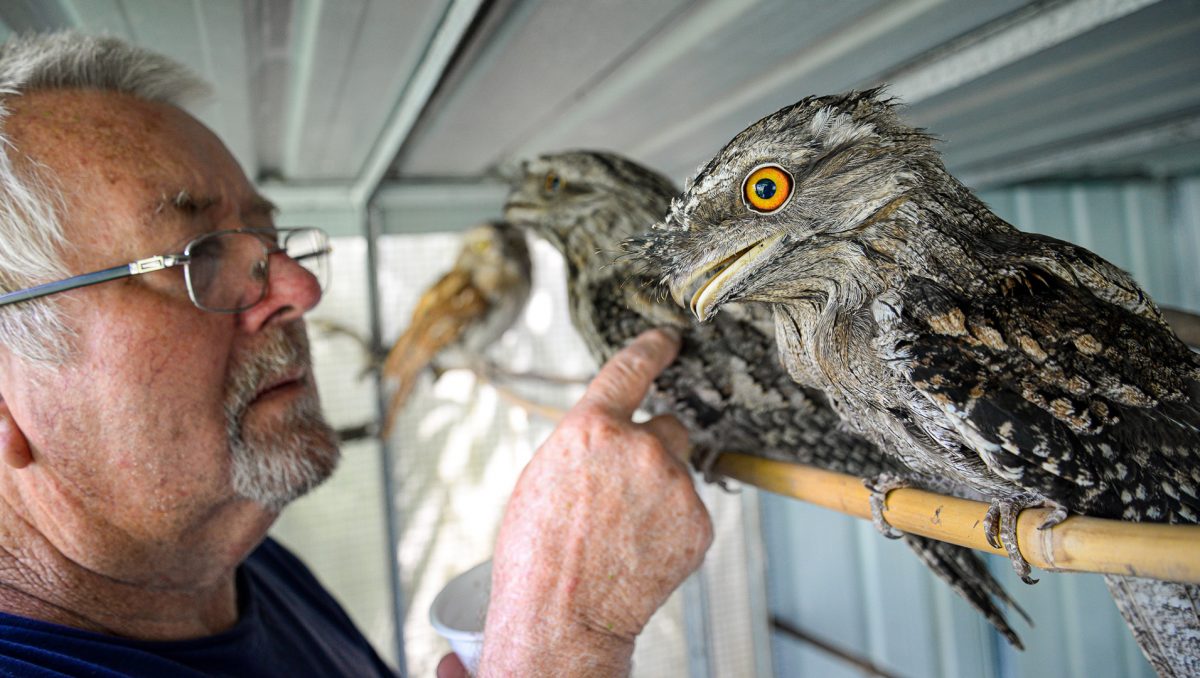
(309, 247)
(227, 270)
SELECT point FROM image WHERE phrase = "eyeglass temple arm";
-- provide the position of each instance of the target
(94, 278)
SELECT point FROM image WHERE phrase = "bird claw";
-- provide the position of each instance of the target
(1057, 515)
(1000, 526)
(704, 460)
(879, 487)
(991, 529)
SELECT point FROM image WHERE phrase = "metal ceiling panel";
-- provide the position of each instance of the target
(524, 68)
(850, 50)
(689, 86)
(696, 67)
(210, 38)
(24, 16)
(108, 17)
(309, 91)
(269, 29)
(353, 58)
(1004, 83)
(1136, 72)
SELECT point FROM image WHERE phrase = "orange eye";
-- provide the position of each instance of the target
(767, 188)
(552, 183)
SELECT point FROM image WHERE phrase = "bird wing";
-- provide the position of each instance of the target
(1091, 403)
(443, 313)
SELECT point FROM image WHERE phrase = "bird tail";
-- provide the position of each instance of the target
(1165, 620)
(966, 573)
(442, 314)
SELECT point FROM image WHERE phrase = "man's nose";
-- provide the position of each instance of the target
(291, 291)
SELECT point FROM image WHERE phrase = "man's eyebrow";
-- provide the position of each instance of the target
(183, 201)
(261, 206)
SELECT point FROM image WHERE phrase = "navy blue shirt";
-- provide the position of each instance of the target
(288, 625)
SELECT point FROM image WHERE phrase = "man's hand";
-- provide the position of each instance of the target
(602, 526)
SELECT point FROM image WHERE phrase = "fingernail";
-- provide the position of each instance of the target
(671, 332)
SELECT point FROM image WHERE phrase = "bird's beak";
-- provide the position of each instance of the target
(700, 291)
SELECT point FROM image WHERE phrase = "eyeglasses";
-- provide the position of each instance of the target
(225, 271)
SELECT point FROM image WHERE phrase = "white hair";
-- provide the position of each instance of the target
(31, 202)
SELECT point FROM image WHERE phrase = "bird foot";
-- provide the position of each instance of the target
(879, 487)
(703, 460)
(1000, 526)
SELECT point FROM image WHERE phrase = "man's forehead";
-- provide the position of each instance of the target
(122, 147)
(106, 121)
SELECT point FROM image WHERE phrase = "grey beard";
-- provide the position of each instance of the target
(277, 463)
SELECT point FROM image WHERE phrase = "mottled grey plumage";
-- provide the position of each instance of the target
(727, 386)
(1026, 367)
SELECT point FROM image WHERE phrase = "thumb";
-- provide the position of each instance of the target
(623, 381)
(451, 667)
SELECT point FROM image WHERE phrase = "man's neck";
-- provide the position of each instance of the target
(194, 596)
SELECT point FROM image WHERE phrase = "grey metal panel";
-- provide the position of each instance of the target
(835, 577)
(336, 222)
(268, 65)
(1139, 69)
(539, 56)
(306, 87)
(680, 95)
(854, 54)
(429, 208)
(811, 585)
(26, 16)
(677, 95)
(895, 581)
(1130, 223)
(703, 57)
(1079, 631)
(1018, 35)
(1160, 149)
(222, 32)
(109, 17)
(683, 110)
(391, 41)
(1185, 206)
(358, 58)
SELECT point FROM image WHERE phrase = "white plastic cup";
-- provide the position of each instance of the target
(459, 611)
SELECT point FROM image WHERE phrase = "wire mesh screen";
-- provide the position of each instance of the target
(338, 529)
(459, 446)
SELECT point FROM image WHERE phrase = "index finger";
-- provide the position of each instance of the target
(622, 382)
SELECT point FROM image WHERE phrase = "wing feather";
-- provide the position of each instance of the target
(1061, 392)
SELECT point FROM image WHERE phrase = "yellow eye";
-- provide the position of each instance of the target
(552, 183)
(767, 188)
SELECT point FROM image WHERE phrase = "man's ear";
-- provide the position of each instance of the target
(14, 446)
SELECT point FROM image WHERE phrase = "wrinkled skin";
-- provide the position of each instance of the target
(118, 512)
(603, 525)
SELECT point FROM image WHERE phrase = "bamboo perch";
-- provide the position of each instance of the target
(1078, 544)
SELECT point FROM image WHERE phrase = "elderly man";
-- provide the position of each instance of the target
(157, 410)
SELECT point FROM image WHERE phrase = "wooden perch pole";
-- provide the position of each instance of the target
(1078, 544)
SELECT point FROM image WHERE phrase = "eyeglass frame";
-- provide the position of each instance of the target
(164, 261)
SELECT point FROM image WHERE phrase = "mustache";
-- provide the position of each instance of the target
(283, 352)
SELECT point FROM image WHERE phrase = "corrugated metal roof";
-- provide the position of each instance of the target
(313, 93)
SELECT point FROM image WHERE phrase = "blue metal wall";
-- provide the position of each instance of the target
(835, 577)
